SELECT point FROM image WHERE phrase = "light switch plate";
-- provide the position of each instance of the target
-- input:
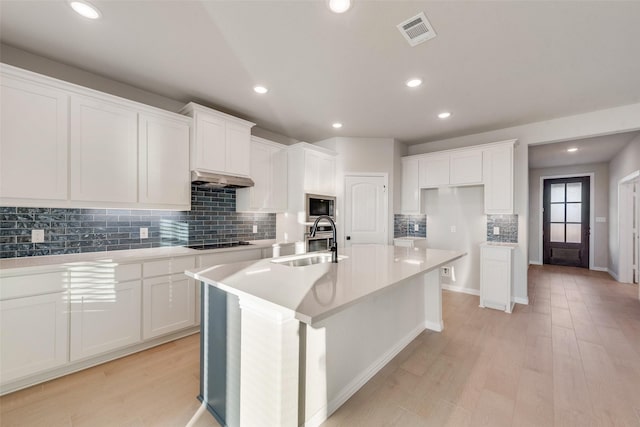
(416, 227)
(37, 236)
(144, 233)
(496, 231)
(255, 228)
(601, 219)
(453, 228)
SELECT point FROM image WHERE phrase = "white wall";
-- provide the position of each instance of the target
(600, 233)
(462, 207)
(603, 122)
(365, 155)
(624, 163)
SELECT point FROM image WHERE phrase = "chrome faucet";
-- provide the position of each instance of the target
(334, 245)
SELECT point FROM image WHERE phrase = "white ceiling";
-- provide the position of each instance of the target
(590, 150)
(493, 64)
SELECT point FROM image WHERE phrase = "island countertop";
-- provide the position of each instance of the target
(315, 292)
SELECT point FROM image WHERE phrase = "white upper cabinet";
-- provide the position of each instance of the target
(498, 179)
(269, 173)
(491, 165)
(164, 161)
(434, 171)
(33, 141)
(320, 173)
(104, 151)
(465, 167)
(410, 197)
(220, 143)
(62, 145)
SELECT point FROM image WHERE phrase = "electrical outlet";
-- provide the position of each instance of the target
(453, 228)
(255, 228)
(496, 231)
(37, 236)
(144, 233)
(416, 227)
(446, 272)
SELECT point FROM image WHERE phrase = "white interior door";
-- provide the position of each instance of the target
(366, 205)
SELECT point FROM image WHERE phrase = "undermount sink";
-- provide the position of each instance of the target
(306, 259)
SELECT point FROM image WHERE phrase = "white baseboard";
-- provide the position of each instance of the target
(350, 389)
(432, 326)
(605, 269)
(613, 274)
(532, 262)
(520, 300)
(462, 290)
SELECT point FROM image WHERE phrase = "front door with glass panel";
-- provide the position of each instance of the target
(566, 221)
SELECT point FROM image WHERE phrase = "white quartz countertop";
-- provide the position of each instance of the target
(317, 291)
(500, 245)
(48, 262)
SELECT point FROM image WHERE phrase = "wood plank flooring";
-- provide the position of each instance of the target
(570, 358)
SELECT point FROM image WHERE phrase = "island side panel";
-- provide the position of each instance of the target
(269, 359)
(433, 301)
(347, 349)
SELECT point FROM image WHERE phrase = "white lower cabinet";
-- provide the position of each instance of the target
(34, 335)
(104, 318)
(168, 304)
(496, 276)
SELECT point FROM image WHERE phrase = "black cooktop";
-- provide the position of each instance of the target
(218, 245)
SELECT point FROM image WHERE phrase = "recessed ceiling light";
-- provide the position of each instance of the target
(572, 150)
(337, 125)
(414, 82)
(444, 115)
(339, 6)
(85, 9)
(260, 89)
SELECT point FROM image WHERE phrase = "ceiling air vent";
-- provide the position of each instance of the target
(417, 29)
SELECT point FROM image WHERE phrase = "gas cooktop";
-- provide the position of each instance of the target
(218, 245)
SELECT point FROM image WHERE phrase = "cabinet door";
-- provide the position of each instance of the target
(312, 173)
(168, 304)
(466, 167)
(164, 161)
(34, 335)
(261, 175)
(104, 318)
(498, 180)
(210, 142)
(33, 141)
(410, 196)
(434, 171)
(495, 278)
(104, 151)
(279, 180)
(238, 149)
(327, 174)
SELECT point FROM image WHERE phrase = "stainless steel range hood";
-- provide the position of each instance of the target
(216, 180)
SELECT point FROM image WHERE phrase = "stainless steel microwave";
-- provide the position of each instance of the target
(317, 205)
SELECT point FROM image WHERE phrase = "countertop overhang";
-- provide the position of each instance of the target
(315, 292)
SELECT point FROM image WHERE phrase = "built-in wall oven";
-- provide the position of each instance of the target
(317, 205)
(322, 241)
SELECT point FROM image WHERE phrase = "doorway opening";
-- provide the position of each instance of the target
(566, 221)
(629, 227)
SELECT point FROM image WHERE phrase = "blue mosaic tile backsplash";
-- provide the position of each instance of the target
(212, 219)
(508, 228)
(404, 225)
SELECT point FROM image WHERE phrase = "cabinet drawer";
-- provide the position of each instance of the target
(168, 266)
(496, 254)
(32, 284)
(229, 257)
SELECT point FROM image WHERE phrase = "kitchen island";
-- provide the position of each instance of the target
(285, 344)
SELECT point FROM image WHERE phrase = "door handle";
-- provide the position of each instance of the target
(348, 237)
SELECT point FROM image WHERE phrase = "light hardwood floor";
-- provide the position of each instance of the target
(572, 357)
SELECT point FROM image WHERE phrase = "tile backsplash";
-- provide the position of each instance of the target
(212, 219)
(508, 225)
(404, 225)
